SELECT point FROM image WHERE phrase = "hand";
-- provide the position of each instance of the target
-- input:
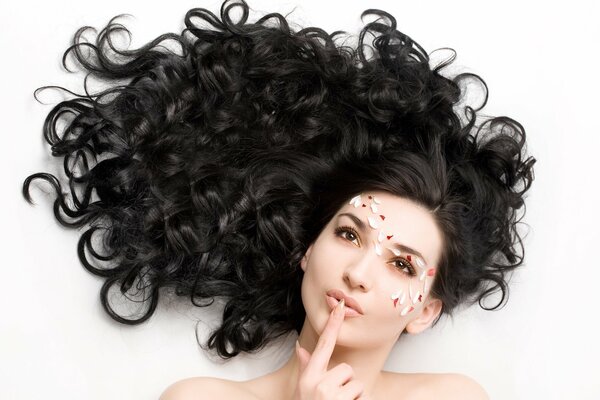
(314, 381)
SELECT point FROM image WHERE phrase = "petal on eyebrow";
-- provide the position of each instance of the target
(395, 251)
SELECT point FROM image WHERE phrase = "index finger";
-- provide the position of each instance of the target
(319, 359)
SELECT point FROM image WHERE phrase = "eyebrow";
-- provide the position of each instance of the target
(361, 225)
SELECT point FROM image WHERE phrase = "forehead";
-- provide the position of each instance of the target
(410, 223)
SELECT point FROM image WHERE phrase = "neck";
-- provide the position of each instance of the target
(367, 363)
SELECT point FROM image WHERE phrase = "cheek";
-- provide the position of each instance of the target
(402, 296)
(409, 295)
(322, 264)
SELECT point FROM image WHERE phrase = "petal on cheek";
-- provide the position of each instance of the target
(406, 310)
(417, 297)
(396, 296)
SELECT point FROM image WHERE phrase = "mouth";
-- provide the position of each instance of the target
(352, 308)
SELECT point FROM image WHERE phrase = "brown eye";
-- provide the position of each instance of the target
(348, 233)
(404, 265)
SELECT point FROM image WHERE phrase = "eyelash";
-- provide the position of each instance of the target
(340, 231)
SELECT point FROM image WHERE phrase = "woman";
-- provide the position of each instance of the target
(284, 172)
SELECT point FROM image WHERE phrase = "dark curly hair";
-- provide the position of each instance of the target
(216, 167)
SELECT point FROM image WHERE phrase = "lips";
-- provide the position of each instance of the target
(350, 302)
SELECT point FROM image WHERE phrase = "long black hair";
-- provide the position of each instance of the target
(210, 171)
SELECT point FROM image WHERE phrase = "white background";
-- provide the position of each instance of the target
(540, 61)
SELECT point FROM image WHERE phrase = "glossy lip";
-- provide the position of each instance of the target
(350, 302)
(349, 312)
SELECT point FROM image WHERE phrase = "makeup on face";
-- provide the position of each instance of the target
(399, 298)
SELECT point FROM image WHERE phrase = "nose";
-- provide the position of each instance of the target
(359, 270)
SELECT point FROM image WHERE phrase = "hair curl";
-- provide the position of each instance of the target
(215, 169)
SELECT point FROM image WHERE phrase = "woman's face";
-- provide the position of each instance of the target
(382, 250)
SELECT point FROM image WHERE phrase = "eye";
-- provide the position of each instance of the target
(403, 264)
(348, 233)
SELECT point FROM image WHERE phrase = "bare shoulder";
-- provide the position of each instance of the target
(459, 386)
(438, 386)
(201, 388)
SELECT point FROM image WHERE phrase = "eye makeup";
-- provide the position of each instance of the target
(343, 230)
(340, 231)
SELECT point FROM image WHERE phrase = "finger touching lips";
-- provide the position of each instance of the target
(326, 344)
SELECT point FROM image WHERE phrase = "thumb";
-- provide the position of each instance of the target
(303, 357)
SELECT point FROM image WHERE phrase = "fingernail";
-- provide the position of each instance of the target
(340, 306)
